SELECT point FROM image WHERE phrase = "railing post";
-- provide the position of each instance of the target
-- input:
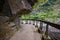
(36, 24)
(40, 28)
(45, 36)
(41, 25)
(46, 33)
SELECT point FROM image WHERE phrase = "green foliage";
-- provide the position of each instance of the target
(42, 1)
(42, 12)
(25, 16)
(42, 15)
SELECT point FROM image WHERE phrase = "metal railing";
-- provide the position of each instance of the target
(46, 35)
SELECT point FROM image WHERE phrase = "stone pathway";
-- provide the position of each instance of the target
(27, 33)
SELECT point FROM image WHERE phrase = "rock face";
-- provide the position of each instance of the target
(18, 5)
(12, 8)
(6, 29)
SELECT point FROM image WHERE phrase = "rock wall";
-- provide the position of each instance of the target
(10, 7)
(6, 29)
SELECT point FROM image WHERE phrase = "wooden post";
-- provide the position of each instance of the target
(41, 25)
(46, 33)
(40, 28)
(45, 36)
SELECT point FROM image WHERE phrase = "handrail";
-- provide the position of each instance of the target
(49, 23)
(46, 34)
